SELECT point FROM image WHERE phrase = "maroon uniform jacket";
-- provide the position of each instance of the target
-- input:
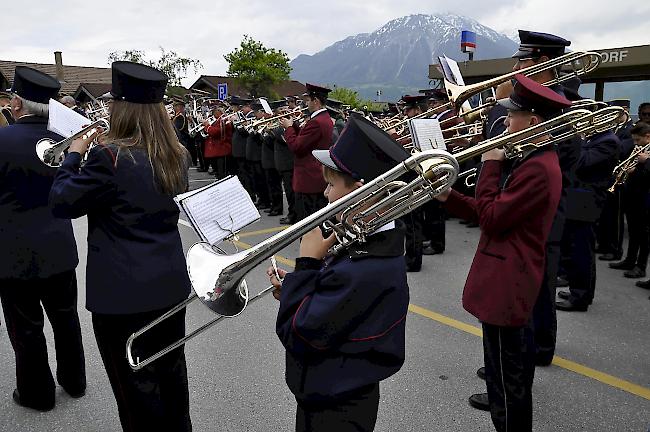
(315, 135)
(506, 274)
(219, 140)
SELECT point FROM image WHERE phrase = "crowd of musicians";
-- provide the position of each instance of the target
(341, 317)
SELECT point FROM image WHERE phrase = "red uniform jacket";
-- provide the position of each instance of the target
(219, 140)
(315, 135)
(508, 267)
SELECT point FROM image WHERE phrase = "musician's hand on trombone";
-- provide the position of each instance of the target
(494, 154)
(314, 245)
(643, 156)
(442, 197)
(273, 277)
(80, 145)
(286, 122)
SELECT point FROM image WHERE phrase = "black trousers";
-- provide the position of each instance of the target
(509, 373)
(433, 227)
(156, 396)
(245, 175)
(274, 183)
(544, 313)
(578, 260)
(609, 231)
(287, 179)
(307, 204)
(219, 166)
(414, 239)
(21, 303)
(259, 182)
(356, 412)
(637, 223)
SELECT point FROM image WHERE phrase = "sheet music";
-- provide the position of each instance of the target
(219, 210)
(64, 121)
(266, 106)
(426, 134)
(455, 71)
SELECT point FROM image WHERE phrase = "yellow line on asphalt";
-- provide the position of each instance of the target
(263, 231)
(588, 372)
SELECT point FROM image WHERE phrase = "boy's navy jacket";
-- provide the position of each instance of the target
(342, 321)
(135, 256)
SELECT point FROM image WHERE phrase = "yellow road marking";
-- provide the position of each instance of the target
(263, 231)
(588, 372)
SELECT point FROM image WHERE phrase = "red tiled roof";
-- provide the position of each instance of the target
(73, 76)
(210, 82)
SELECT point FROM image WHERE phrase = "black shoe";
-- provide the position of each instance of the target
(480, 372)
(413, 268)
(75, 393)
(42, 408)
(561, 282)
(622, 265)
(568, 306)
(472, 225)
(275, 212)
(636, 273)
(480, 401)
(564, 295)
(263, 206)
(431, 251)
(287, 221)
(609, 257)
(463, 222)
(643, 284)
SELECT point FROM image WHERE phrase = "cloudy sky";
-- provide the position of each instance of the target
(87, 31)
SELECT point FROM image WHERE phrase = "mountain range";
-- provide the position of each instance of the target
(395, 58)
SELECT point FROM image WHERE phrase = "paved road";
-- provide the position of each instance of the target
(601, 382)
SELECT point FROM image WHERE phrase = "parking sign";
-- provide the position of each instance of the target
(222, 91)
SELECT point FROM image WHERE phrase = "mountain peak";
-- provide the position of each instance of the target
(398, 53)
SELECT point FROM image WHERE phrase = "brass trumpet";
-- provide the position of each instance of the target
(623, 170)
(51, 152)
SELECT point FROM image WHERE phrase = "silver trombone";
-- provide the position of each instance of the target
(218, 279)
(51, 152)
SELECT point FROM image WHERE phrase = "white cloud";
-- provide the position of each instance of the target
(87, 32)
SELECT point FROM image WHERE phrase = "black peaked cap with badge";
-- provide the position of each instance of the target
(316, 91)
(536, 44)
(412, 101)
(34, 85)
(363, 150)
(531, 96)
(137, 83)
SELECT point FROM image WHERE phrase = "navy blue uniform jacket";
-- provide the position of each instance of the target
(343, 322)
(33, 244)
(135, 256)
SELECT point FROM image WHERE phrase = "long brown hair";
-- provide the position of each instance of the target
(148, 127)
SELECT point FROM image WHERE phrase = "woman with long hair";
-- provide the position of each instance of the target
(136, 268)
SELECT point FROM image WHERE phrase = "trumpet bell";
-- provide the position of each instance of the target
(45, 152)
(211, 285)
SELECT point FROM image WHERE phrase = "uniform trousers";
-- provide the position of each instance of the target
(308, 203)
(274, 183)
(287, 179)
(637, 222)
(610, 226)
(544, 313)
(21, 303)
(156, 396)
(578, 260)
(259, 182)
(433, 228)
(245, 175)
(414, 239)
(219, 166)
(509, 372)
(355, 412)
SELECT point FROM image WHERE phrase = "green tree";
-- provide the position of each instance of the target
(256, 67)
(169, 63)
(347, 96)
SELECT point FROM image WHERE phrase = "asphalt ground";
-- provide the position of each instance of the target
(600, 379)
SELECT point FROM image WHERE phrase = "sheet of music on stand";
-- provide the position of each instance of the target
(426, 134)
(64, 121)
(219, 210)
